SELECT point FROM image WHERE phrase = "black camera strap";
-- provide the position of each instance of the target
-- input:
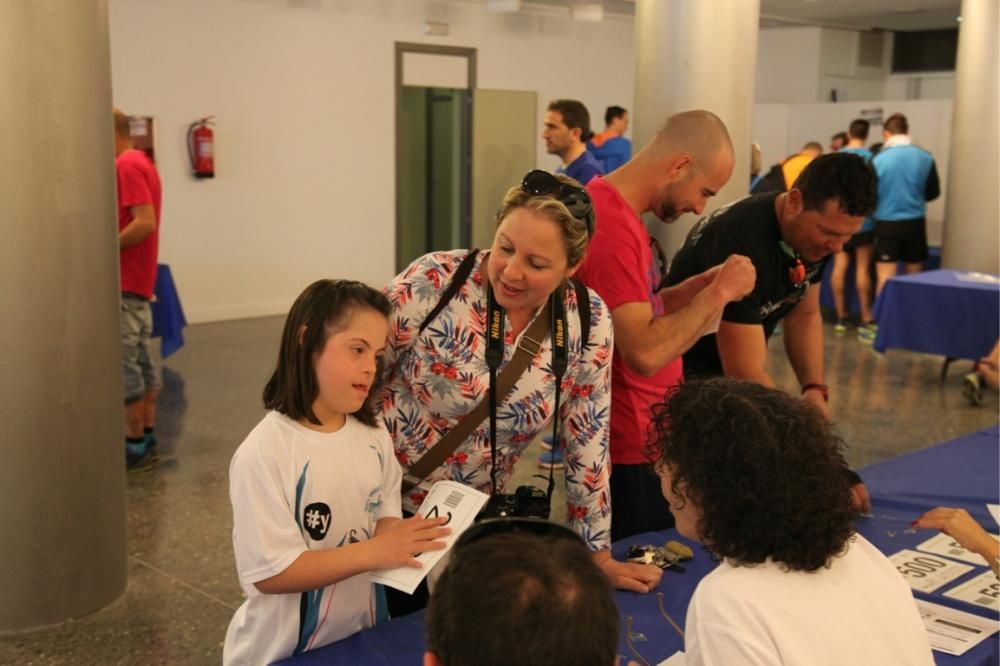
(555, 311)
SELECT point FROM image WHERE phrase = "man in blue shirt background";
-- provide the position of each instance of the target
(907, 180)
(610, 147)
(566, 132)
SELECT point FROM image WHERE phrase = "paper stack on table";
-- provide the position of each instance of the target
(458, 502)
(952, 631)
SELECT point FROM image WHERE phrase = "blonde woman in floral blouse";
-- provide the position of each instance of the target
(435, 377)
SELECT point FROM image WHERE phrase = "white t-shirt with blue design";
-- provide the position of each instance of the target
(292, 490)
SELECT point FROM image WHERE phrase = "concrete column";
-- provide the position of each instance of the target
(62, 488)
(696, 54)
(972, 208)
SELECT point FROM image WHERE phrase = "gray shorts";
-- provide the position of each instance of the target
(140, 371)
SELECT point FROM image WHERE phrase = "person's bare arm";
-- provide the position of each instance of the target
(395, 544)
(647, 343)
(743, 352)
(960, 526)
(630, 576)
(803, 336)
(680, 295)
(142, 225)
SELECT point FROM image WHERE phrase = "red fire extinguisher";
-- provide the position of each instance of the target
(201, 148)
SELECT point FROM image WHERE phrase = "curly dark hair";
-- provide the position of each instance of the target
(319, 311)
(764, 469)
(846, 177)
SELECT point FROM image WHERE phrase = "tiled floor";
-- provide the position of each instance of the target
(182, 584)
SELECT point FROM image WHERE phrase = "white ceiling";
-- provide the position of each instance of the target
(857, 14)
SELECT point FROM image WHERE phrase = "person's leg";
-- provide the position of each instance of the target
(837, 275)
(884, 270)
(150, 377)
(862, 280)
(134, 383)
(637, 502)
(914, 251)
(133, 419)
(989, 366)
(887, 249)
(149, 418)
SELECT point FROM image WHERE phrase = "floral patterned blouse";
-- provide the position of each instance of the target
(434, 379)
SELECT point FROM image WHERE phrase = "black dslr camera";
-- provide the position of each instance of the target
(525, 502)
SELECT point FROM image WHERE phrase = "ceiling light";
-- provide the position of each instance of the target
(587, 11)
(503, 6)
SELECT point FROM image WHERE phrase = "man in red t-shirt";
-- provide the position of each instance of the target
(688, 161)
(139, 195)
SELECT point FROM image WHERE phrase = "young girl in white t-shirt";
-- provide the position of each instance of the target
(315, 487)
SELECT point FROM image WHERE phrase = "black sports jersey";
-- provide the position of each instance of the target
(748, 227)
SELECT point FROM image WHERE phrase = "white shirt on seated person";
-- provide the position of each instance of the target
(858, 611)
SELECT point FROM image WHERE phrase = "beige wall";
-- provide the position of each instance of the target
(303, 97)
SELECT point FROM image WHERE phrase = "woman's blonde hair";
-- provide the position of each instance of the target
(574, 230)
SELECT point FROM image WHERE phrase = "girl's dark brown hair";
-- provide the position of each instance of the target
(323, 308)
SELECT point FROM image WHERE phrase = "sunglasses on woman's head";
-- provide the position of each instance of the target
(576, 199)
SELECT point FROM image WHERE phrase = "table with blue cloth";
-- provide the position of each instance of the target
(960, 473)
(942, 312)
(168, 315)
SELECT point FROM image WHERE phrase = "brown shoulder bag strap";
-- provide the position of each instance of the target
(527, 348)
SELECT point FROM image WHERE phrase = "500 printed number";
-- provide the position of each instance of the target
(918, 567)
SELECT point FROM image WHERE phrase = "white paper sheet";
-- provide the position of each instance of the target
(676, 659)
(974, 276)
(952, 631)
(925, 572)
(942, 544)
(982, 591)
(994, 511)
(446, 498)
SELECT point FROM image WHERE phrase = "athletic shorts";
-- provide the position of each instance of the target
(139, 368)
(901, 240)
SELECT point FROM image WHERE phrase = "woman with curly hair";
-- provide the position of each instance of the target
(758, 478)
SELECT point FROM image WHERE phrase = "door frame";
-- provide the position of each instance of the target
(469, 54)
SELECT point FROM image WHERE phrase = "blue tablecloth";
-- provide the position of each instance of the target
(937, 312)
(168, 315)
(850, 290)
(961, 473)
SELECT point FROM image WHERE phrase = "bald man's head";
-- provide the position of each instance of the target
(688, 161)
(701, 134)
